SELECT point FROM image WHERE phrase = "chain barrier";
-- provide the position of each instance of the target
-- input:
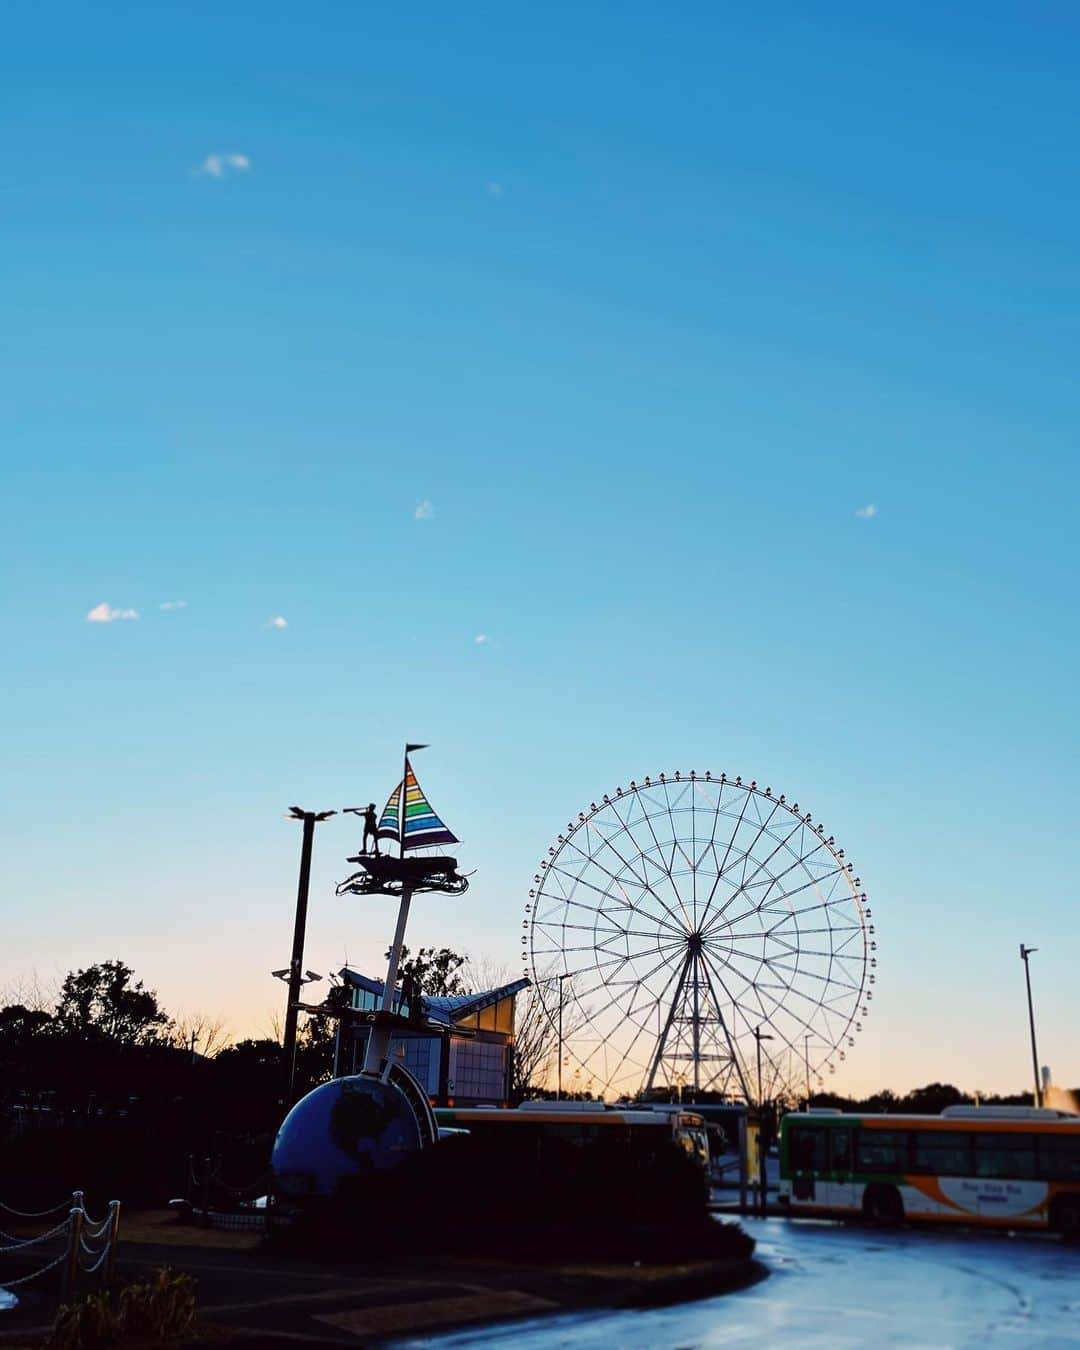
(25, 1279)
(33, 1242)
(37, 1214)
(81, 1232)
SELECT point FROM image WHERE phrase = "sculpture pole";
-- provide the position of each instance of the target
(378, 1045)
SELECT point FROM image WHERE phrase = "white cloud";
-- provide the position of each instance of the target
(173, 604)
(424, 510)
(867, 512)
(481, 639)
(494, 189)
(278, 622)
(219, 165)
(104, 613)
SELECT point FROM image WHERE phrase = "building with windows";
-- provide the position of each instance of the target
(459, 1049)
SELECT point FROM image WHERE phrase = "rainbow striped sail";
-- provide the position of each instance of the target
(422, 827)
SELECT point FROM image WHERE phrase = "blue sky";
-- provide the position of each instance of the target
(646, 303)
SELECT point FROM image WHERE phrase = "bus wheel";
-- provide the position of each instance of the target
(1065, 1218)
(882, 1205)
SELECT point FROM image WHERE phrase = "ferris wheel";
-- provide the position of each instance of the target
(699, 932)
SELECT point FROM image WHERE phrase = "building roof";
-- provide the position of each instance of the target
(447, 1009)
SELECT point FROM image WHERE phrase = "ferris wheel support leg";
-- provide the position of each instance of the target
(662, 1042)
(736, 1061)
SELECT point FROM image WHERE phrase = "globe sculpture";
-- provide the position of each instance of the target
(347, 1128)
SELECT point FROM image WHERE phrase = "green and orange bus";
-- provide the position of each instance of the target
(1007, 1167)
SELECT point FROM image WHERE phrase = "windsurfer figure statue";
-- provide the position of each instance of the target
(371, 831)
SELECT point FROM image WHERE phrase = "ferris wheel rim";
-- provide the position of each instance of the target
(840, 1014)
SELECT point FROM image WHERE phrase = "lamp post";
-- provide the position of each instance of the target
(560, 979)
(763, 1179)
(806, 1052)
(1025, 952)
(296, 977)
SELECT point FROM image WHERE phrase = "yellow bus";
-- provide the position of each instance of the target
(1005, 1167)
(585, 1124)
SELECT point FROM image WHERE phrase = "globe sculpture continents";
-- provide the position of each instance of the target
(350, 1127)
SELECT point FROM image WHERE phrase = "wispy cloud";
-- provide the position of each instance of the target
(867, 512)
(173, 604)
(424, 510)
(481, 639)
(104, 613)
(494, 189)
(278, 621)
(220, 165)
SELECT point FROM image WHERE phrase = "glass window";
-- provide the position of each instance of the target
(943, 1153)
(808, 1149)
(841, 1150)
(1059, 1156)
(1005, 1155)
(881, 1150)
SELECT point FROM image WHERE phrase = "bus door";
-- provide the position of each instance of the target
(840, 1191)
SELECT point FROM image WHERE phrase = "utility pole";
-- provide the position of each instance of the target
(560, 979)
(763, 1176)
(1025, 952)
(296, 973)
(806, 1051)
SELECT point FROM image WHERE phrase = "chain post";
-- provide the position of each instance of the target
(71, 1267)
(114, 1238)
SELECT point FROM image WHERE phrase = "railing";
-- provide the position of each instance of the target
(214, 1203)
(88, 1245)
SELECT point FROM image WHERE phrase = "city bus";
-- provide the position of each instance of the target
(585, 1124)
(1006, 1167)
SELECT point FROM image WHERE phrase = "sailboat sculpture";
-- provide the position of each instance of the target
(410, 821)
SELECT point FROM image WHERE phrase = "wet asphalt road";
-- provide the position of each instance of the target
(831, 1287)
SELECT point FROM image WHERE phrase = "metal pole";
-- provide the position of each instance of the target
(806, 1048)
(558, 1095)
(560, 978)
(114, 1238)
(762, 1171)
(1025, 952)
(71, 1266)
(378, 1046)
(296, 971)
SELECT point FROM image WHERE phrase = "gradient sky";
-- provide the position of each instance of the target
(716, 367)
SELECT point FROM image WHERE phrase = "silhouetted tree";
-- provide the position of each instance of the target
(435, 970)
(103, 1003)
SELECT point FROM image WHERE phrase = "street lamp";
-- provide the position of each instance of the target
(760, 1036)
(560, 979)
(806, 1059)
(295, 973)
(1025, 952)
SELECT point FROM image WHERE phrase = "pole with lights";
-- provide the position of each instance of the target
(1025, 952)
(296, 977)
(560, 979)
(763, 1179)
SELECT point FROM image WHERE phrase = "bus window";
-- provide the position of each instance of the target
(1060, 1156)
(942, 1153)
(881, 1151)
(841, 1150)
(1005, 1155)
(808, 1149)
